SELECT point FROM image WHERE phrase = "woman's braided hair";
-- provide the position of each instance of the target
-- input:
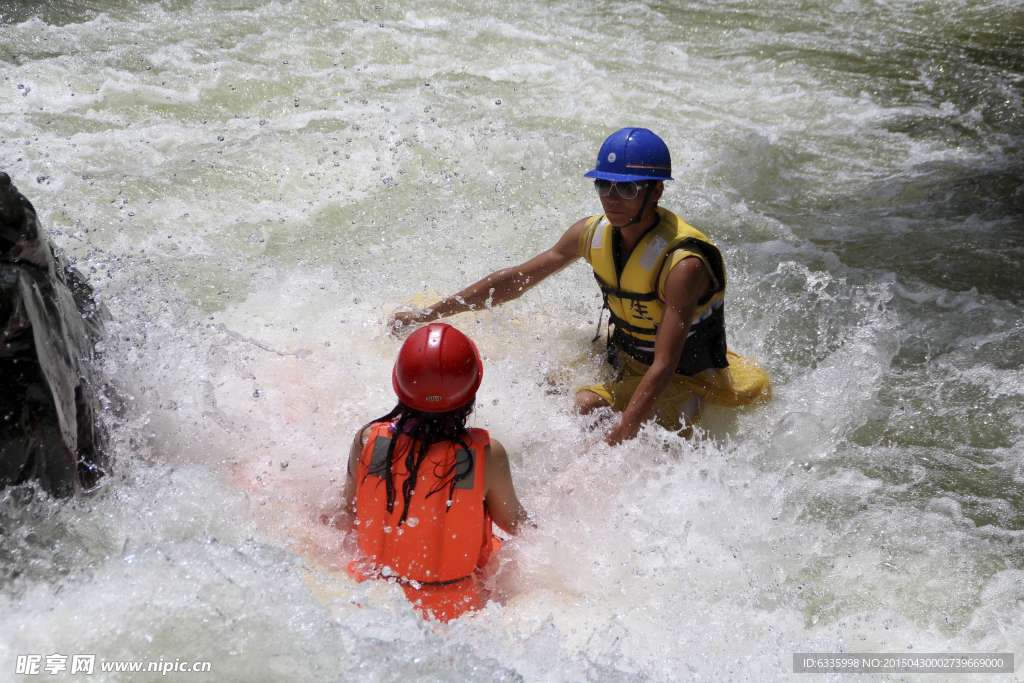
(423, 430)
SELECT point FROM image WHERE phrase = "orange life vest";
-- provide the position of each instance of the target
(436, 552)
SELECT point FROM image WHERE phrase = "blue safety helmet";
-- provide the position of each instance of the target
(633, 154)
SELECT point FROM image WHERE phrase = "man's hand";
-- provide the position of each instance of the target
(402, 323)
(617, 434)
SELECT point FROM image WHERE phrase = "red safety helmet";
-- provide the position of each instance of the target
(438, 369)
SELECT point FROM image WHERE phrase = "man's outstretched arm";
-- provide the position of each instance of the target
(504, 285)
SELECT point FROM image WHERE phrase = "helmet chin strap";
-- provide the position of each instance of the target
(643, 207)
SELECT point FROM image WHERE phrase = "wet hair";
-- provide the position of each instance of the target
(423, 431)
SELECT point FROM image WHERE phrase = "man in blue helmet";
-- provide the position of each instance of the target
(663, 284)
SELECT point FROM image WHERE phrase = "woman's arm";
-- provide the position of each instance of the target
(499, 492)
(348, 510)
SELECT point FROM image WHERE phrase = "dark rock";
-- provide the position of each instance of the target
(50, 430)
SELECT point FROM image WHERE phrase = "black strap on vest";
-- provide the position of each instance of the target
(416, 584)
(705, 347)
(444, 583)
(621, 294)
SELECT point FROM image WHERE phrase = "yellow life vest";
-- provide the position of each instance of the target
(635, 297)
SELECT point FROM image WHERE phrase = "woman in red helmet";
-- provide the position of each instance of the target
(424, 487)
